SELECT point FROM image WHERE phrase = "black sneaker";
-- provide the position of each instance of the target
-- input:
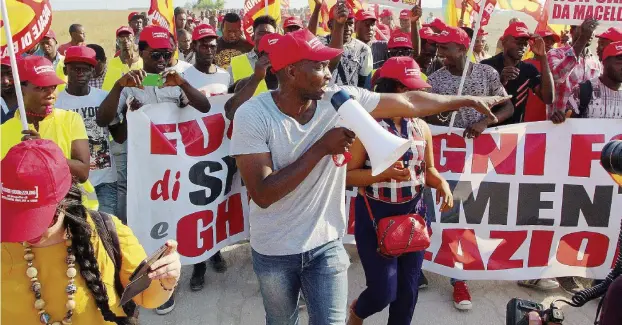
(197, 281)
(423, 281)
(569, 284)
(167, 307)
(218, 263)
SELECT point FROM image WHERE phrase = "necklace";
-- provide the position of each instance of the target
(71, 289)
(48, 111)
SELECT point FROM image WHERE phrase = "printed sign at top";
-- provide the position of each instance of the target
(574, 12)
(401, 4)
(29, 21)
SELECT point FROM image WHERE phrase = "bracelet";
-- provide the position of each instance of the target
(165, 288)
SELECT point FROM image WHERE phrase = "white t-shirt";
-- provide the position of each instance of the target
(209, 84)
(313, 214)
(103, 169)
(181, 66)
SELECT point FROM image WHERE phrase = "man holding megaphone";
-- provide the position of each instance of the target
(282, 141)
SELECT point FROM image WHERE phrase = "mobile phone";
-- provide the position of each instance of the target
(139, 281)
(517, 309)
(153, 79)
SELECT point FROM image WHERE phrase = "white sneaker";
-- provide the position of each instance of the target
(540, 284)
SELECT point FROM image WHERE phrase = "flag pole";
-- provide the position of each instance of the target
(266, 3)
(16, 81)
(478, 24)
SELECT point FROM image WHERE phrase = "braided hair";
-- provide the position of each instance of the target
(81, 231)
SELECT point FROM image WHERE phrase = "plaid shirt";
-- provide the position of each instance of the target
(568, 71)
(413, 159)
(98, 82)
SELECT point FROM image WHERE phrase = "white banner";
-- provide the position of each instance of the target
(400, 4)
(572, 12)
(530, 200)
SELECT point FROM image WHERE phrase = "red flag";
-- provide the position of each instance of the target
(488, 10)
(30, 20)
(256, 8)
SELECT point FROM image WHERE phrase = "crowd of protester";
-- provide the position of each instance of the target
(78, 98)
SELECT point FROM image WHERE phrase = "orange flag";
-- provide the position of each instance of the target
(256, 8)
(161, 13)
(29, 20)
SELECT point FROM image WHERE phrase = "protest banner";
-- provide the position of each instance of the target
(530, 200)
(29, 20)
(400, 4)
(572, 12)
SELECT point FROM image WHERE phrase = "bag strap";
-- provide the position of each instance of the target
(342, 73)
(371, 216)
(585, 97)
(107, 232)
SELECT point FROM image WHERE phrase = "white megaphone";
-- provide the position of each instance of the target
(383, 148)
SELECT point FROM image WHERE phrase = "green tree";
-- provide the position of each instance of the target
(210, 5)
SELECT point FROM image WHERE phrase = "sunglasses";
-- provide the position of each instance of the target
(156, 56)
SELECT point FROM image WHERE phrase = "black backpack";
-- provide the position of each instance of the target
(108, 234)
(585, 97)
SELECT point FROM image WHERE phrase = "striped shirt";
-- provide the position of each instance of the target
(413, 159)
(605, 102)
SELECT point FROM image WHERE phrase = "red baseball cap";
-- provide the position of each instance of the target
(405, 70)
(35, 178)
(427, 33)
(133, 15)
(6, 61)
(364, 15)
(39, 71)
(482, 32)
(517, 30)
(453, 35)
(399, 40)
(124, 29)
(157, 37)
(613, 49)
(331, 14)
(613, 34)
(50, 34)
(547, 33)
(292, 21)
(405, 14)
(436, 23)
(267, 42)
(203, 31)
(81, 54)
(386, 13)
(297, 46)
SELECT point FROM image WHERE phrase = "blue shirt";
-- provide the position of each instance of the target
(7, 113)
(59, 57)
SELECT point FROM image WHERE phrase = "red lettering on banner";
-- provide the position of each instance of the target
(159, 190)
(540, 248)
(581, 153)
(427, 255)
(160, 145)
(447, 255)
(595, 250)
(589, 12)
(598, 12)
(500, 259)
(503, 158)
(229, 212)
(535, 153)
(579, 12)
(187, 233)
(561, 12)
(194, 140)
(449, 160)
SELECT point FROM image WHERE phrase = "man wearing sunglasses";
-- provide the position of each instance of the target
(156, 50)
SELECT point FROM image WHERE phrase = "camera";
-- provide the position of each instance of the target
(517, 310)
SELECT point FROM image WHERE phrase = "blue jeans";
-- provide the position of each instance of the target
(320, 273)
(107, 197)
(392, 282)
(119, 152)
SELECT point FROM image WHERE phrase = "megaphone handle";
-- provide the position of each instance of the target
(347, 156)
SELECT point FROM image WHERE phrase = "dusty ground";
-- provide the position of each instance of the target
(233, 298)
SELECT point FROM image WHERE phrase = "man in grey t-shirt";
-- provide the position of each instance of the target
(282, 142)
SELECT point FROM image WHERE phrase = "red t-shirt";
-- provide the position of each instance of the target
(63, 48)
(535, 110)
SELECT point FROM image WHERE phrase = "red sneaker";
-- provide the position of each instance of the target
(462, 297)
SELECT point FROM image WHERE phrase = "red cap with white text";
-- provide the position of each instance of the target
(157, 37)
(398, 40)
(547, 33)
(613, 49)
(203, 31)
(267, 42)
(292, 21)
(613, 34)
(39, 71)
(427, 33)
(405, 14)
(453, 35)
(517, 30)
(405, 70)
(363, 14)
(35, 177)
(81, 54)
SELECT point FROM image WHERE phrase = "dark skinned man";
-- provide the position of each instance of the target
(78, 37)
(232, 42)
(572, 65)
(283, 142)
(292, 24)
(211, 81)
(84, 100)
(536, 108)
(156, 50)
(365, 28)
(518, 77)
(242, 65)
(137, 22)
(8, 104)
(611, 35)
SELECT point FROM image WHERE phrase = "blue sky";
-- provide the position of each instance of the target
(125, 4)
